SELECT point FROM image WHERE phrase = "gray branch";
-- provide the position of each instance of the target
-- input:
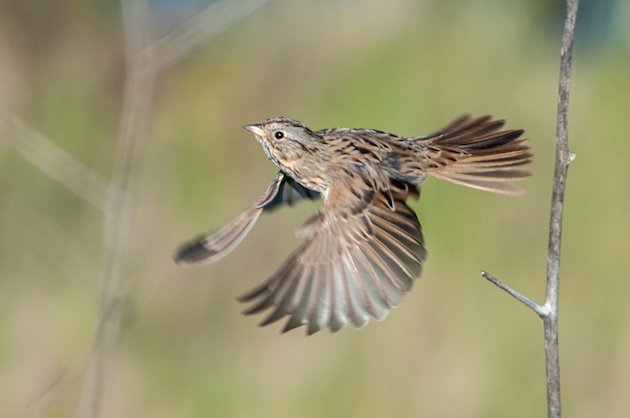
(564, 157)
(144, 60)
(540, 310)
(51, 159)
(549, 311)
(133, 129)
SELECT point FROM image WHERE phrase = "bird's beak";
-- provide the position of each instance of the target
(255, 128)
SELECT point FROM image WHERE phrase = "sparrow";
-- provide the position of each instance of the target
(364, 248)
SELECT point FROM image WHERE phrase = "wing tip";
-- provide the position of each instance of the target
(192, 253)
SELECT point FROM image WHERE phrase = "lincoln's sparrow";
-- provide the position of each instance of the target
(364, 248)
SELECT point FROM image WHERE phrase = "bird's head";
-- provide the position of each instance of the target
(283, 138)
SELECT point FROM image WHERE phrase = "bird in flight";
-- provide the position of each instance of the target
(364, 248)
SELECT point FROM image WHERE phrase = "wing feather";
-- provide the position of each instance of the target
(356, 265)
(210, 248)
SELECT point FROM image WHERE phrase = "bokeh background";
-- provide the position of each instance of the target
(457, 346)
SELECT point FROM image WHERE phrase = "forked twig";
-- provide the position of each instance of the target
(549, 310)
(540, 310)
(144, 60)
(133, 130)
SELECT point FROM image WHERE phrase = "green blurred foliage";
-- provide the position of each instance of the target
(456, 347)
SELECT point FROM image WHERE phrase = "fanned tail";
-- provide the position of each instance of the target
(475, 152)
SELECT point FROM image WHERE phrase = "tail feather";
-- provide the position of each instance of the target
(477, 153)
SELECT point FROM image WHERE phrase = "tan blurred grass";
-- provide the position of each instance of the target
(457, 347)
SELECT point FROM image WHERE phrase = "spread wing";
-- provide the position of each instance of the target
(289, 192)
(358, 261)
(209, 248)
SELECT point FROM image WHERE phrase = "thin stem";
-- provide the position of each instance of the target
(540, 310)
(133, 129)
(53, 160)
(563, 159)
(549, 311)
(144, 61)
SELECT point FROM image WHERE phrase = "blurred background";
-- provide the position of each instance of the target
(457, 346)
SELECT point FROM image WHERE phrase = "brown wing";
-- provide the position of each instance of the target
(209, 248)
(476, 152)
(355, 266)
(289, 192)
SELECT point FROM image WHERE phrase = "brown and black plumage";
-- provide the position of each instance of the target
(364, 248)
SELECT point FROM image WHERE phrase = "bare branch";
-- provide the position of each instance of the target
(134, 124)
(44, 154)
(214, 20)
(563, 159)
(549, 311)
(142, 68)
(540, 310)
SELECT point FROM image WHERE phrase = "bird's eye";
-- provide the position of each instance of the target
(278, 134)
